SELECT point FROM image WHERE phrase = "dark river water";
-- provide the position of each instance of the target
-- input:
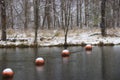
(102, 63)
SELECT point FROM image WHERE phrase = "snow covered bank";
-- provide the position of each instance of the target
(56, 38)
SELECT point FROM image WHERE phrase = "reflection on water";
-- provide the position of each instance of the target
(102, 63)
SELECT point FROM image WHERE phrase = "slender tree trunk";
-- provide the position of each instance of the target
(54, 14)
(66, 33)
(43, 23)
(67, 20)
(11, 12)
(26, 15)
(3, 20)
(81, 13)
(119, 14)
(86, 5)
(47, 15)
(36, 19)
(62, 11)
(78, 13)
(102, 25)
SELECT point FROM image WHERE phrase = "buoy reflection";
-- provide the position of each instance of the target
(40, 68)
(88, 52)
(65, 60)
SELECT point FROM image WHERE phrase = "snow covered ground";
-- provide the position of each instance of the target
(56, 37)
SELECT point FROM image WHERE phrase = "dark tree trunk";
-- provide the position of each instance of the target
(62, 13)
(86, 14)
(66, 33)
(54, 13)
(36, 18)
(47, 15)
(78, 13)
(26, 15)
(102, 24)
(3, 20)
(67, 21)
(11, 13)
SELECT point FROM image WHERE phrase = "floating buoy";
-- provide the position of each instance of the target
(88, 47)
(7, 74)
(39, 61)
(65, 53)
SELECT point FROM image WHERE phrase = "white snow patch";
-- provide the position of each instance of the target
(7, 70)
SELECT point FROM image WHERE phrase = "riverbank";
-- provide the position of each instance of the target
(76, 37)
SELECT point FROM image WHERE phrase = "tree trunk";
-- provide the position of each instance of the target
(67, 14)
(36, 18)
(62, 11)
(54, 14)
(47, 15)
(66, 33)
(26, 15)
(77, 13)
(11, 12)
(3, 20)
(102, 25)
(86, 14)
(80, 13)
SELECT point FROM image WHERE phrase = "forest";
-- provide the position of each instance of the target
(64, 15)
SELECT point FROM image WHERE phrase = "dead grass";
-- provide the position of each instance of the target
(60, 32)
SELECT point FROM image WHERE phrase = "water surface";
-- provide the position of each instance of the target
(102, 63)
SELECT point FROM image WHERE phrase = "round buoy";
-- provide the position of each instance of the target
(7, 73)
(39, 61)
(88, 47)
(65, 53)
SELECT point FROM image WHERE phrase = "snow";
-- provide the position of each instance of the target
(75, 37)
(39, 59)
(7, 70)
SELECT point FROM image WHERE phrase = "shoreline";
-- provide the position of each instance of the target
(49, 38)
(26, 45)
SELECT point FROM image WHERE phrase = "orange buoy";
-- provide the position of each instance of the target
(7, 74)
(39, 61)
(88, 47)
(65, 53)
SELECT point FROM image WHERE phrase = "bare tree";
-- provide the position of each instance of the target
(47, 15)
(67, 14)
(3, 19)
